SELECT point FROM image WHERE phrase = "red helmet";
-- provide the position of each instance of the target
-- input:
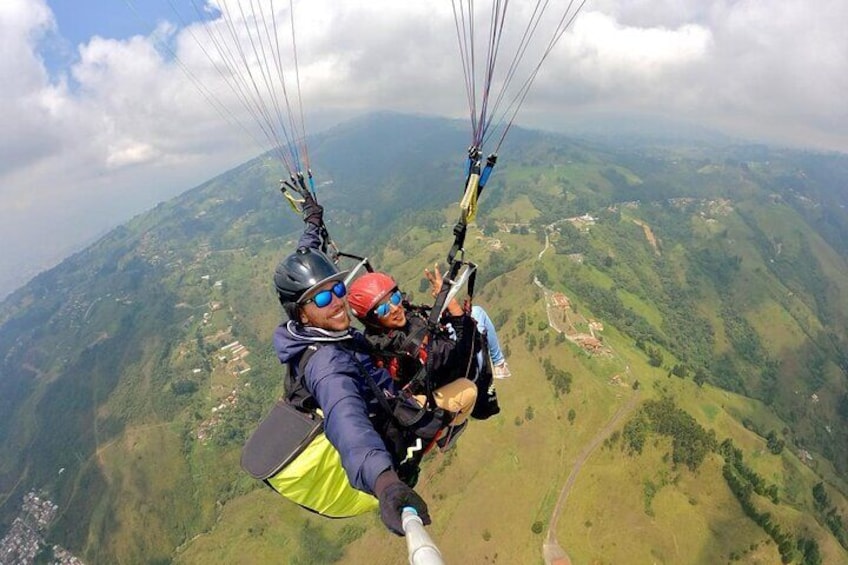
(367, 291)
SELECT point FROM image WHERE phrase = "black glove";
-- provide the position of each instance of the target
(394, 495)
(313, 213)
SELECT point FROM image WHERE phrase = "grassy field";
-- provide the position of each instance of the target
(147, 492)
(673, 518)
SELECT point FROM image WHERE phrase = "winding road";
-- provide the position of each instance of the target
(552, 552)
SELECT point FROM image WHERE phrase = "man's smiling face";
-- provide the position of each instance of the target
(332, 317)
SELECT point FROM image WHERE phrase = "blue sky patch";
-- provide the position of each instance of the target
(78, 21)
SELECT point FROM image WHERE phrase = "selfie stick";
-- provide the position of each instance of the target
(422, 550)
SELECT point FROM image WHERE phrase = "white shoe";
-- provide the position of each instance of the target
(501, 371)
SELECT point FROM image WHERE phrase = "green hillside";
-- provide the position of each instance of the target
(676, 320)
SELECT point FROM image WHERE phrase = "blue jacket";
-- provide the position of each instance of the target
(311, 237)
(335, 381)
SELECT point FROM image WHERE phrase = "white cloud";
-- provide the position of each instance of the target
(21, 114)
(123, 127)
(637, 51)
(632, 66)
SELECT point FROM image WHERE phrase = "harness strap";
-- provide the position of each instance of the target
(307, 403)
(381, 397)
(296, 393)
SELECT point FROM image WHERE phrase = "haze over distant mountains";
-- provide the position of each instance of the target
(28, 258)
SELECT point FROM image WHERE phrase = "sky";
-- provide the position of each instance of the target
(108, 107)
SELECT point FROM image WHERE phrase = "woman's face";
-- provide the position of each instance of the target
(396, 316)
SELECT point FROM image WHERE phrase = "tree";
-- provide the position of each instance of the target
(820, 497)
(489, 227)
(635, 433)
(521, 323)
(809, 548)
(183, 386)
(655, 356)
(700, 376)
(775, 444)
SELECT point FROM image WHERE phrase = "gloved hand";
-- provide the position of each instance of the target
(394, 495)
(313, 213)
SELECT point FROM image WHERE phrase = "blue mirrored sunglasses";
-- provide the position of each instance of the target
(324, 297)
(382, 310)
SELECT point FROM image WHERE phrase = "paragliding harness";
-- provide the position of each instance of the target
(407, 428)
(282, 451)
(425, 381)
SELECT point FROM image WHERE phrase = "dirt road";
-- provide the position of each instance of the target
(552, 553)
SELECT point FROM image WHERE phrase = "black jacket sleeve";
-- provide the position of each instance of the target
(451, 356)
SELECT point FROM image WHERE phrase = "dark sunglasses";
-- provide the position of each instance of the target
(382, 310)
(323, 298)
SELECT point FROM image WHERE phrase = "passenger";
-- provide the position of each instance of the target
(442, 361)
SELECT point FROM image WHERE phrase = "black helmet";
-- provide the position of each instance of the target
(301, 271)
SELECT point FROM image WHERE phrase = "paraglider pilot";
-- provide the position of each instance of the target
(339, 375)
